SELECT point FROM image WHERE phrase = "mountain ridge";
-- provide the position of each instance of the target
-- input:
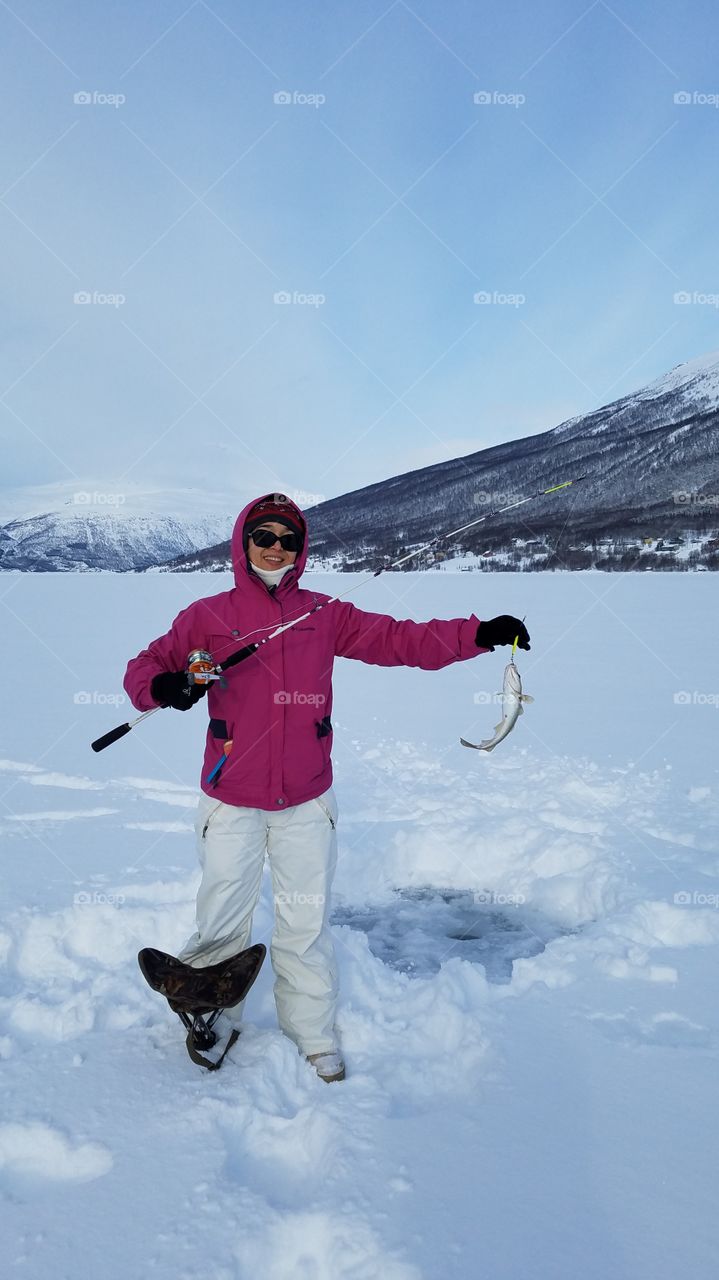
(649, 499)
(658, 444)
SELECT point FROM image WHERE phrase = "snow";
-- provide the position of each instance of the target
(36, 1150)
(528, 946)
(700, 376)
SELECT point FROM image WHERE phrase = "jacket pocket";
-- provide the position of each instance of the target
(324, 737)
(324, 727)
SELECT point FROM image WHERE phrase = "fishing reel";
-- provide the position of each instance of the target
(201, 668)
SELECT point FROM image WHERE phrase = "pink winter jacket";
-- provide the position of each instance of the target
(277, 704)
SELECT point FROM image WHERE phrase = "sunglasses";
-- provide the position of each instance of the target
(266, 538)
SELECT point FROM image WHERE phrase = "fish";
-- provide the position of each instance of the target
(512, 704)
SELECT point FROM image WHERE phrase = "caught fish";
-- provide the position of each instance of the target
(512, 700)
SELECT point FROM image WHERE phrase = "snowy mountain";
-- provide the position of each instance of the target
(650, 498)
(73, 527)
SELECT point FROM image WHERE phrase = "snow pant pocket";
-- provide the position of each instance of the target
(320, 801)
(206, 812)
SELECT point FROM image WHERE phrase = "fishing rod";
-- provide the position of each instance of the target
(202, 669)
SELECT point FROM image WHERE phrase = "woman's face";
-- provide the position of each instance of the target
(271, 557)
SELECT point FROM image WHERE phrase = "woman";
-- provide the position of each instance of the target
(273, 794)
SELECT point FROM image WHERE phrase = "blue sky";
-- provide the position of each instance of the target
(381, 198)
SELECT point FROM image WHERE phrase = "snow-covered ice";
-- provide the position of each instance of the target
(528, 946)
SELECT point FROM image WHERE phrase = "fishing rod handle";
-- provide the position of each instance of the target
(114, 735)
(107, 739)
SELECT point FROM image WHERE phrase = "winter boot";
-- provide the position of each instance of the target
(328, 1065)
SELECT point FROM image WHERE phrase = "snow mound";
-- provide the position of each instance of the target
(38, 1150)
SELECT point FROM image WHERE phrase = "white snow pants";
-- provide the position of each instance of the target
(301, 847)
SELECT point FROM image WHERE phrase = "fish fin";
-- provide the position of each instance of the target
(497, 727)
(527, 697)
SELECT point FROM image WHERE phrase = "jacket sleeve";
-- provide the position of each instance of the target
(167, 653)
(387, 642)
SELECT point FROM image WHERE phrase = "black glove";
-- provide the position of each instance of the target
(173, 689)
(502, 630)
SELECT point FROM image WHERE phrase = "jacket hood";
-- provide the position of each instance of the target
(241, 568)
